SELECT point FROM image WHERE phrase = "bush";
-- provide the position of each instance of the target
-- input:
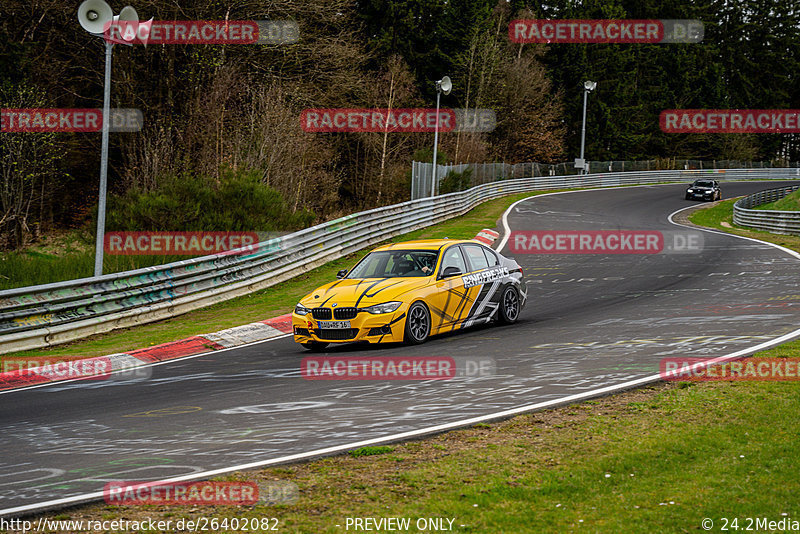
(456, 181)
(188, 202)
(425, 155)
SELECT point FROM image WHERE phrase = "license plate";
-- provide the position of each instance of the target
(334, 324)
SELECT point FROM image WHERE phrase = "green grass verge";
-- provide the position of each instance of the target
(788, 203)
(719, 216)
(370, 451)
(68, 256)
(270, 302)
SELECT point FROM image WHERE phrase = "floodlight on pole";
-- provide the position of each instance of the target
(442, 86)
(588, 87)
(95, 16)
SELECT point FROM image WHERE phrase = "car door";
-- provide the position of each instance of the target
(485, 282)
(451, 300)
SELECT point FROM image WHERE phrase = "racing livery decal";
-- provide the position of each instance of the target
(489, 275)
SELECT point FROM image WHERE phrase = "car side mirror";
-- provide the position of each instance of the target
(451, 271)
(341, 274)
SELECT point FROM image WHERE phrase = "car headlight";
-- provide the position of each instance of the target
(301, 310)
(690, 190)
(386, 307)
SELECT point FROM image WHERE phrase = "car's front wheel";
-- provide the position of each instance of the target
(418, 324)
(509, 305)
(315, 346)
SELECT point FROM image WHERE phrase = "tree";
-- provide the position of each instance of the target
(29, 173)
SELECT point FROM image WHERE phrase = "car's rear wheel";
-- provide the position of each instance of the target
(509, 305)
(418, 324)
(315, 346)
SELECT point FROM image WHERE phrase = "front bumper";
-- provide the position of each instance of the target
(372, 328)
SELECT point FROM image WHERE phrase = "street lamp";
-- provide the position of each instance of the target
(442, 86)
(588, 87)
(95, 17)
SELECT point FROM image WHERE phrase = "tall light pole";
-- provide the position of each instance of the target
(95, 17)
(442, 86)
(588, 87)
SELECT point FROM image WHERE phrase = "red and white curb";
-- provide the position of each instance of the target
(67, 370)
(487, 236)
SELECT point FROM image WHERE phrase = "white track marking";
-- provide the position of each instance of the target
(507, 229)
(671, 221)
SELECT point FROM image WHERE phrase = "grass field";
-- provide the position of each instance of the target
(788, 203)
(65, 256)
(720, 217)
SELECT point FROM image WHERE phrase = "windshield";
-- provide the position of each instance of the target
(701, 183)
(396, 263)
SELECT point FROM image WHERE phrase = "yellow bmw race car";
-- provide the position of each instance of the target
(405, 292)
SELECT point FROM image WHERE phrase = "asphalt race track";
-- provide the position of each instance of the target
(591, 322)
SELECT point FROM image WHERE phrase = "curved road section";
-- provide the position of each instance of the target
(594, 323)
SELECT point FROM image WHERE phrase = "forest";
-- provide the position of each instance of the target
(222, 146)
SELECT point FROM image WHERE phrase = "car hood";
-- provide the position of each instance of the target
(363, 292)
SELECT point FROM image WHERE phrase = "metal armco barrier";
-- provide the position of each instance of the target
(484, 173)
(44, 315)
(779, 222)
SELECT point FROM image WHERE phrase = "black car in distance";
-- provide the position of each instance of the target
(704, 190)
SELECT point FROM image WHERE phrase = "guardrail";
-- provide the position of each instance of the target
(44, 315)
(483, 173)
(776, 221)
